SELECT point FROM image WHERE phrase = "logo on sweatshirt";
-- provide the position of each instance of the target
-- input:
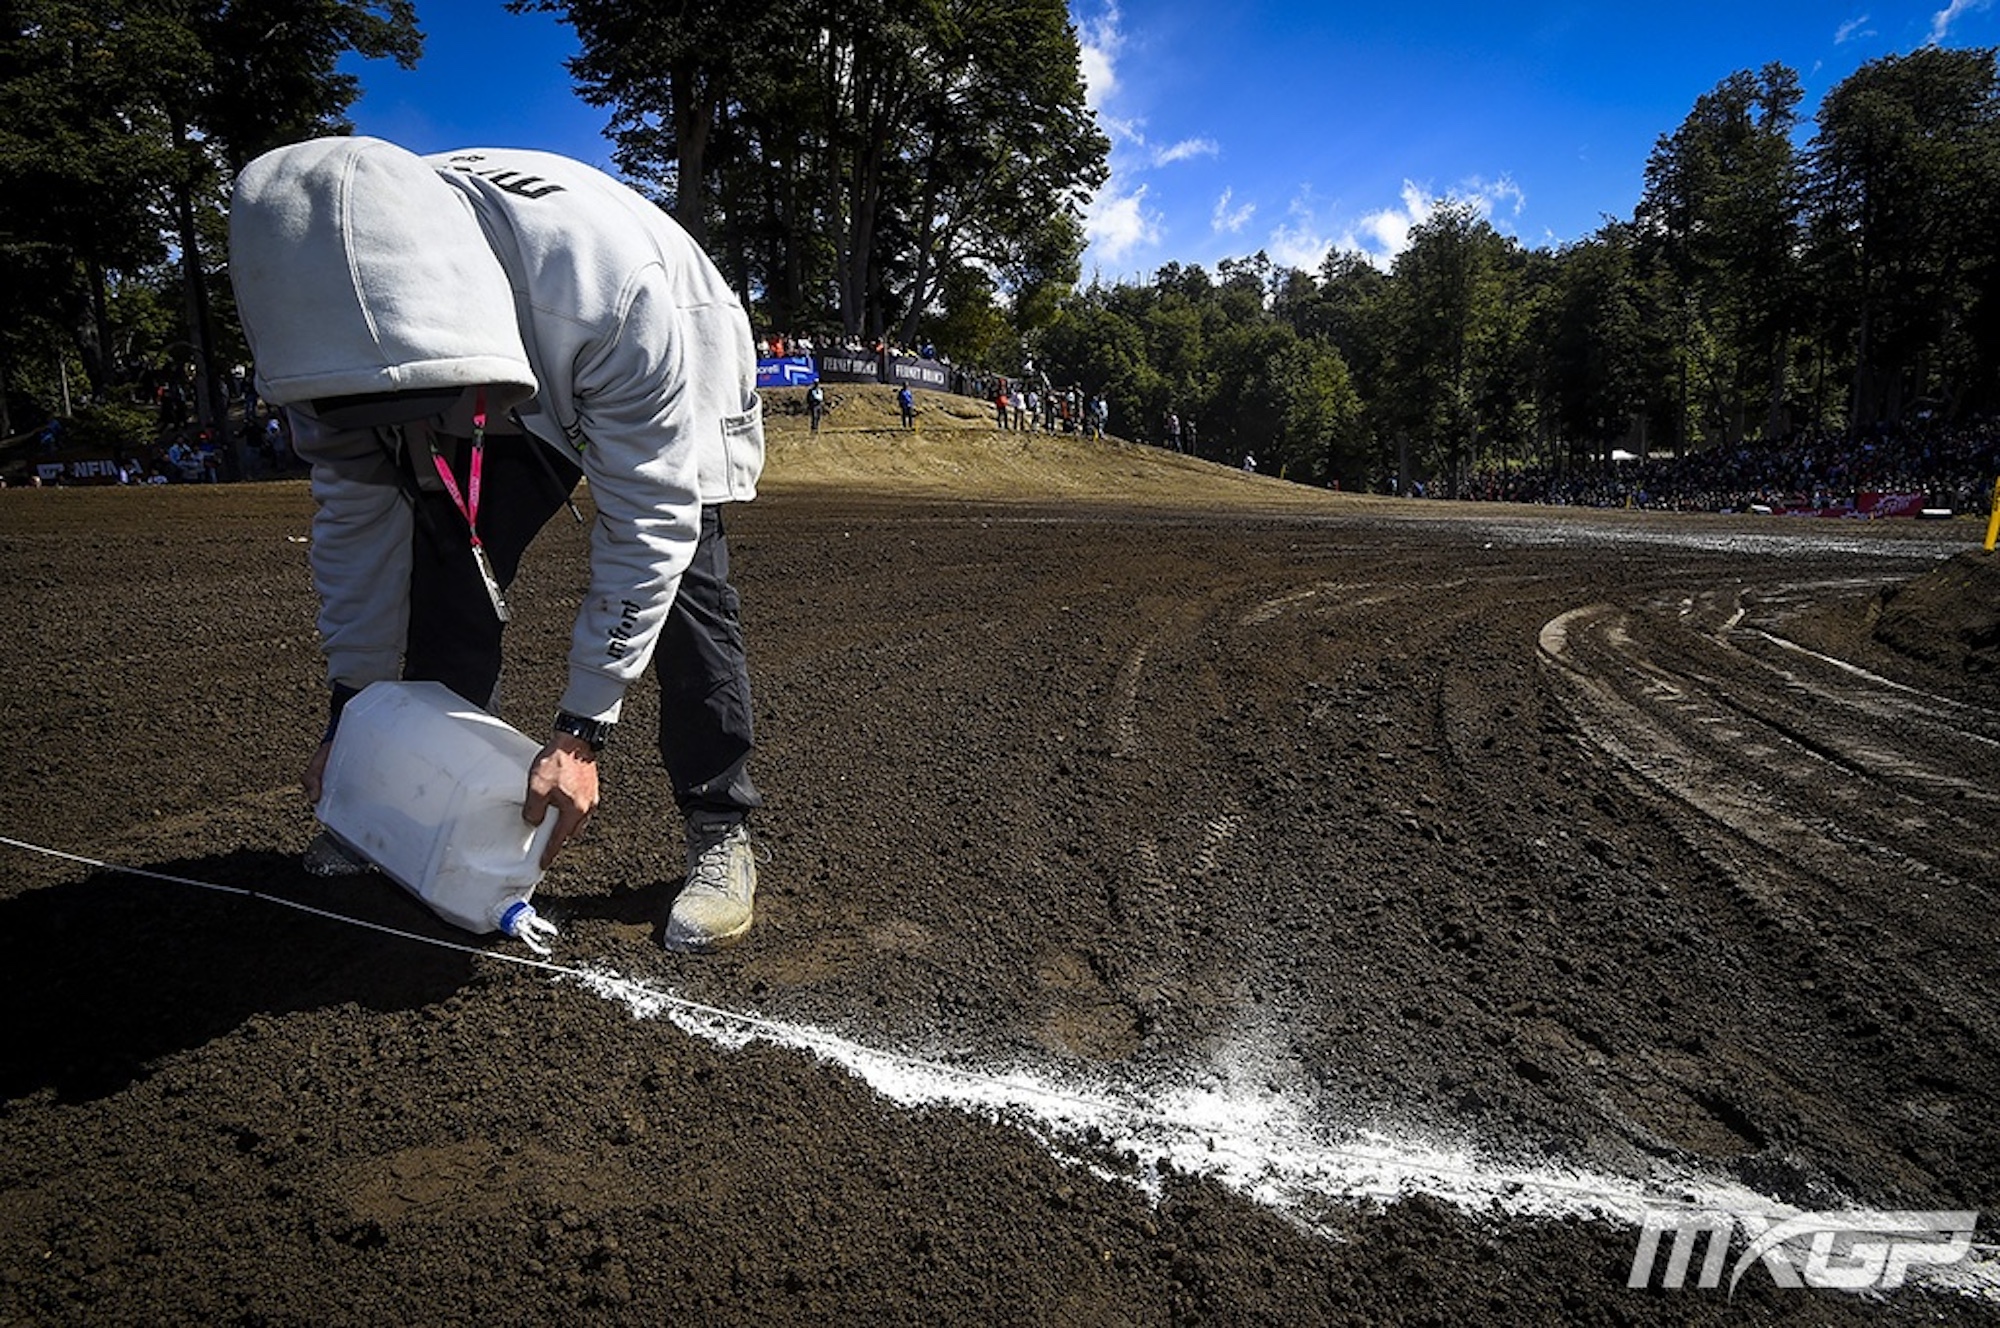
(628, 623)
(519, 183)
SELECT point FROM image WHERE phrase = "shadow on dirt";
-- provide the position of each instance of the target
(640, 907)
(113, 971)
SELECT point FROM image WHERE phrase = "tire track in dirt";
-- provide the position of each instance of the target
(1827, 799)
(1835, 773)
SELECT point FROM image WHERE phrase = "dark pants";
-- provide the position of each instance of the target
(705, 718)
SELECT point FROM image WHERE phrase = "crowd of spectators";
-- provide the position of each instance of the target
(1020, 406)
(1952, 466)
(786, 345)
(1027, 403)
(254, 441)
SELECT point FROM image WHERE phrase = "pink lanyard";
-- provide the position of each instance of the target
(468, 502)
(468, 506)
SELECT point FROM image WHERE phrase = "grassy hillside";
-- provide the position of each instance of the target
(956, 451)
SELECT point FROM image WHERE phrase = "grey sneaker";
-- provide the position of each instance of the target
(327, 856)
(714, 907)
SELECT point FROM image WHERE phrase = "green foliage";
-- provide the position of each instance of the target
(1451, 336)
(117, 427)
(972, 323)
(847, 162)
(1211, 353)
(1722, 207)
(1904, 168)
(1102, 349)
(1599, 349)
(1755, 291)
(121, 123)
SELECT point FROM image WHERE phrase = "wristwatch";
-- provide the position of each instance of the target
(594, 732)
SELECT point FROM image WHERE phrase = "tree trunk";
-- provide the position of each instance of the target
(694, 115)
(209, 407)
(97, 356)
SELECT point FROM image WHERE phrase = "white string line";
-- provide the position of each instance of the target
(1604, 1201)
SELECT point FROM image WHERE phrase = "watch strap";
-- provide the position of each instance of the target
(593, 732)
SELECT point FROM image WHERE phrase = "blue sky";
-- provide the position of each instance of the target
(1288, 128)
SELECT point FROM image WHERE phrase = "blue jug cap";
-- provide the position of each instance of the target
(517, 913)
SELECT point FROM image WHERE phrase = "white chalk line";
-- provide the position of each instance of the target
(1260, 1142)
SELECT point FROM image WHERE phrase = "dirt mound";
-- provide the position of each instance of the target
(1949, 617)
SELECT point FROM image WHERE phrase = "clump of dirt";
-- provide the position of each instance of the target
(1949, 617)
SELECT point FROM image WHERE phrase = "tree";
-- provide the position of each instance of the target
(82, 155)
(1595, 331)
(122, 120)
(1905, 167)
(845, 160)
(1096, 342)
(1722, 203)
(1286, 399)
(1450, 336)
(670, 76)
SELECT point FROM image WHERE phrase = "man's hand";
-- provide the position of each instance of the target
(563, 777)
(314, 779)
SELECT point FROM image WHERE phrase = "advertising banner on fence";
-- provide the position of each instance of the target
(792, 371)
(1867, 506)
(1873, 505)
(920, 373)
(850, 366)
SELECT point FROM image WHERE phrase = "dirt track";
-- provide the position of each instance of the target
(1526, 862)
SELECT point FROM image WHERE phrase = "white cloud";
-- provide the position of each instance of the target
(1118, 223)
(1852, 29)
(1227, 220)
(1488, 194)
(1381, 235)
(1186, 148)
(1298, 241)
(1942, 20)
(1099, 40)
(1115, 223)
(1120, 130)
(1300, 247)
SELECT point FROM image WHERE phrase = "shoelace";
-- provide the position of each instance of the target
(711, 870)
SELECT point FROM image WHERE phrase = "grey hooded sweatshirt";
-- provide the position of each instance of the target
(361, 268)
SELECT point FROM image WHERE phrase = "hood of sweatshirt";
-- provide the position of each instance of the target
(359, 271)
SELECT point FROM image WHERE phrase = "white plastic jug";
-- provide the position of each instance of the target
(429, 788)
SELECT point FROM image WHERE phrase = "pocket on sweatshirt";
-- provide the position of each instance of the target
(743, 451)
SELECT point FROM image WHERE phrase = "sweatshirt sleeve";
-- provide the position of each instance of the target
(642, 439)
(360, 553)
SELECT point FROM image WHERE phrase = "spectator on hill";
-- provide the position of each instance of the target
(815, 404)
(906, 402)
(184, 459)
